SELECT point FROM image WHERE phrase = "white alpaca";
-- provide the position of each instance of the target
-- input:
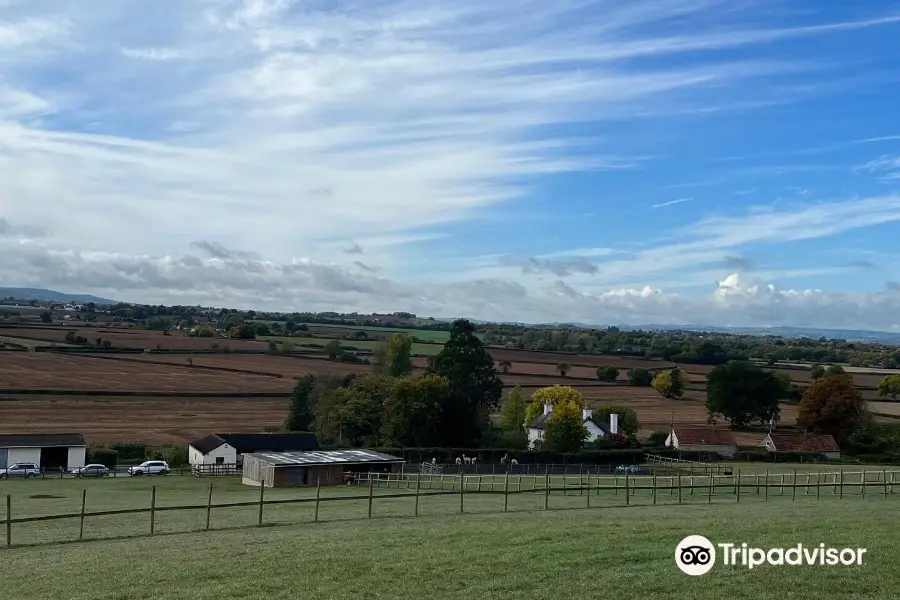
(467, 459)
(514, 462)
(434, 461)
(474, 459)
(458, 460)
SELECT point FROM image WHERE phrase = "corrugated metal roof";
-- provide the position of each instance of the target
(41, 440)
(245, 443)
(323, 457)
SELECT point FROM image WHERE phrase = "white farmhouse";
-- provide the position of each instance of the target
(228, 448)
(596, 430)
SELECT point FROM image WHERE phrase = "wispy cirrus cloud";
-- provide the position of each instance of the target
(671, 202)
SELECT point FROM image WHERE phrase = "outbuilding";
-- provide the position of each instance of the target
(287, 469)
(803, 442)
(707, 440)
(229, 448)
(51, 451)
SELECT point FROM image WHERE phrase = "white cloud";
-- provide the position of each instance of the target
(296, 130)
(671, 202)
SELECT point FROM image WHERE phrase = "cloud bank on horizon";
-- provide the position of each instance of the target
(665, 161)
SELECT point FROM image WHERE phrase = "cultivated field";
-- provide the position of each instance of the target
(534, 554)
(54, 371)
(378, 332)
(139, 419)
(417, 348)
(592, 360)
(133, 338)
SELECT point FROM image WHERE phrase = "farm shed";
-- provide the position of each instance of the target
(595, 429)
(803, 442)
(286, 469)
(48, 450)
(703, 439)
(228, 448)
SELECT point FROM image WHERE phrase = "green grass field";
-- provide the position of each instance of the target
(427, 335)
(624, 552)
(417, 348)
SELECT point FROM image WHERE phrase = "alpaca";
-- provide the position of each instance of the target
(458, 460)
(514, 462)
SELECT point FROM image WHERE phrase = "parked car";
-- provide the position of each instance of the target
(25, 470)
(95, 470)
(150, 467)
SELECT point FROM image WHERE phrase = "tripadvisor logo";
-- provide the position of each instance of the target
(696, 555)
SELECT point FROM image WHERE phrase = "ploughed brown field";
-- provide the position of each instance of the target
(151, 420)
(593, 360)
(44, 370)
(132, 338)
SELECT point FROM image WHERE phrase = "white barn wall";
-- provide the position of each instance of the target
(17, 455)
(77, 457)
(226, 451)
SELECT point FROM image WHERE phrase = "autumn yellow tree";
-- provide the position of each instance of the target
(565, 430)
(670, 383)
(554, 395)
(831, 405)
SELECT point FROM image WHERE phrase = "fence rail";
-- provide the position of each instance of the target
(690, 466)
(838, 484)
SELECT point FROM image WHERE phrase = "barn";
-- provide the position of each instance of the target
(51, 451)
(707, 440)
(803, 442)
(229, 448)
(288, 469)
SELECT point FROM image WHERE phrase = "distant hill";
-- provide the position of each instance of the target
(42, 294)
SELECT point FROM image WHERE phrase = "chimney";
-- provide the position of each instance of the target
(548, 408)
(614, 423)
(586, 414)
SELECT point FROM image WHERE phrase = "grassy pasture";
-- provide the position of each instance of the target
(530, 553)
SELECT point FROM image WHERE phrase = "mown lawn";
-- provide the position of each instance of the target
(600, 553)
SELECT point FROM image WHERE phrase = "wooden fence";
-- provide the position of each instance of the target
(689, 466)
(838, 484)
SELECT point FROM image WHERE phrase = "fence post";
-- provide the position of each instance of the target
(841, 485)
(8, 520)
(862, 482)
(547, 488)
(794, 486)
(711, 480)
(81, 522)
(318, 492)
(818, 485)
(654, 487)
(506, 493)
(679, 486)
(262, 491)
(757, 484)
(462, 493)
(884, 477)
(766, 486)
(371, 489)
(589, 489)
(152, 509)
(627, 489)
(738, 487)
(209, 505)
(418, 487)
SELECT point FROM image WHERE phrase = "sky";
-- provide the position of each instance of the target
(702, 162)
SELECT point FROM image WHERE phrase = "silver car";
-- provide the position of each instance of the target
(150, 467)
(95, 470)
(26, 470)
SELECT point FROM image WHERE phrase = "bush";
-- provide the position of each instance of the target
(658, 439)
(175, 455)
(103, 456)
(131, 450)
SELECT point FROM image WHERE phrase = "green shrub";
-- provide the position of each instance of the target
(131, 450)
(103, 456)
(175, 455)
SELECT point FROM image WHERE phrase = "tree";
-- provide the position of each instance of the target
(396, 358)
(505, 366)
(628, 419)
(563, 369)
(553, 395)
(607, 373)
(658, 439)
(889, 386)
(176, 455)
(512, 419)
(640, 377)
(834, 370)
(413, 410)
(670, 383)
(46, 317)
(333, 349)
(565, 430)
(742, 393)
(243, 331)
(816, 371)
(475, 388)
(300, 413)
(831, 405)
(349, 411)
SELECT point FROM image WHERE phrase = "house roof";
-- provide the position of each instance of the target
(41, 440)
(258, 442)
(800, 442)
(539, 422)
(347, 457)
(705, 436)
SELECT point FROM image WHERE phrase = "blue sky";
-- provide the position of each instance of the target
(675, 161)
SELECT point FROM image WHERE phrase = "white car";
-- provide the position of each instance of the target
(150, 467)
(26, 470)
